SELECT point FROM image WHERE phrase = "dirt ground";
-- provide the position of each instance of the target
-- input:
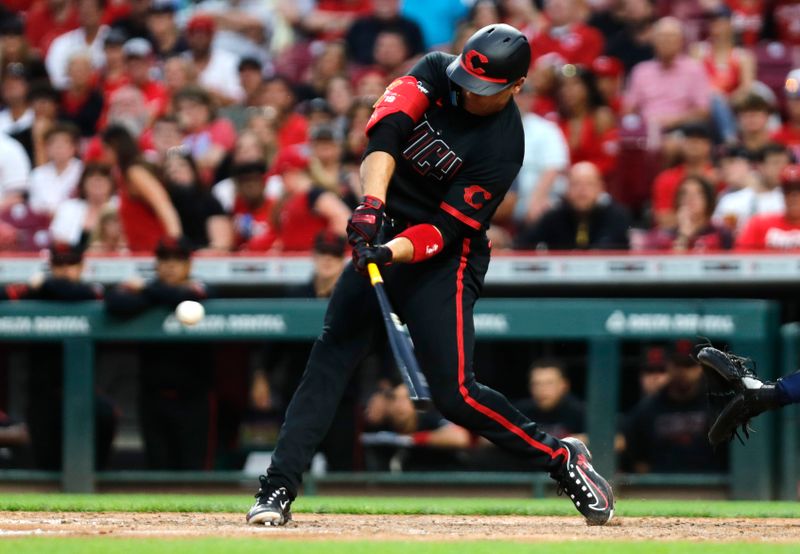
(396, 527)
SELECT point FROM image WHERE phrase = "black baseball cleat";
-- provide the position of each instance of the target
(272, 507)
(591, 494)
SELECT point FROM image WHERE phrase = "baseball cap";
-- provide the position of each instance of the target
(62, 253)
(43, 90)
(137, 48)
(162, 6)
(169, 248)
(328, 242)
(734, 151)
(606, 66)
(791, 87)
(116, 36)
(655, 359)
(681, 353)
(248, 168)
(318, 105)
(696, 129)
(322, 132)
(250, 62)
(752, 102)
(492, 60)
(790, 177)
(721, 11)
(201, 22)
(290, 158)
(12, 25)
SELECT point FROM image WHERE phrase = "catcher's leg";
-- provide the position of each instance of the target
(789, 388)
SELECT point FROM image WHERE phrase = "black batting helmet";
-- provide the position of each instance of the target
(492, 60)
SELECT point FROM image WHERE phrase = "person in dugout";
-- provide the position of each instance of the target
(177, 406)
(45, 381)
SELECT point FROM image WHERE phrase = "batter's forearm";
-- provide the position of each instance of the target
(376, 171)
(402, 250)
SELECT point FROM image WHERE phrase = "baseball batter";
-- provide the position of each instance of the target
(445, 143)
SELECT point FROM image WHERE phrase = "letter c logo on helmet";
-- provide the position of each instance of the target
(468, 61)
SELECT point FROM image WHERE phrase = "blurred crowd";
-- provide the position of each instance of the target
(650, 124)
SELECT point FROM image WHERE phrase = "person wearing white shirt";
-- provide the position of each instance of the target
(540, 181)
(763, 194)
(15, 167)
(91, 36)
(17, 116)
(77, 219)
(54, 182)
(218, 70)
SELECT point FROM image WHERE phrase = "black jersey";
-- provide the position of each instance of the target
(454, 164)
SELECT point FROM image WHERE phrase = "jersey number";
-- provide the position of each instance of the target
(430, 155)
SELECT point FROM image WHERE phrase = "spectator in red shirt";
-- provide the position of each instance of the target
(544, 79)
(588, 124)
(693, 229)
(327, 19)
(14, 48)
(139, 68)
(145, 210)
(786, 21)
(780, 231)
(566, 35)
(695, 151)
(789, 133)
(47, 19)
(207, 137)
(609, 72)
(81, 103)
(252, 211)
(305, 209)
(114, 76)
(730, 69)
(277, 93)
(748, 20)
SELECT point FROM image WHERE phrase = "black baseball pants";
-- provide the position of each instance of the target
(435, 299)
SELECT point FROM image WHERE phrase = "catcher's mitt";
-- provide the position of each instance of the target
(735, 394)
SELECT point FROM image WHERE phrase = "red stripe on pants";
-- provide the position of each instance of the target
(485, 410)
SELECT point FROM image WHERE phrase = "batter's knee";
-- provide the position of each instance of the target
(451, 404)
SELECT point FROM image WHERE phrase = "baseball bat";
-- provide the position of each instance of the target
(400, 343)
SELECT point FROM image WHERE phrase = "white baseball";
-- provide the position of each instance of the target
(190, 312)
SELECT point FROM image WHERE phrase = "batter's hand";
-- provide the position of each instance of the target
(365, 222)
(364, 254)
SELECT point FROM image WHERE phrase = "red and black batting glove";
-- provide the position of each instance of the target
(365, 222)
(364, 254)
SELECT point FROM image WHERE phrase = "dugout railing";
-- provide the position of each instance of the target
(748, 326)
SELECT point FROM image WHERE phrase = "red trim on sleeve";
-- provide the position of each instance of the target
(465, 219)
(402, 95)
